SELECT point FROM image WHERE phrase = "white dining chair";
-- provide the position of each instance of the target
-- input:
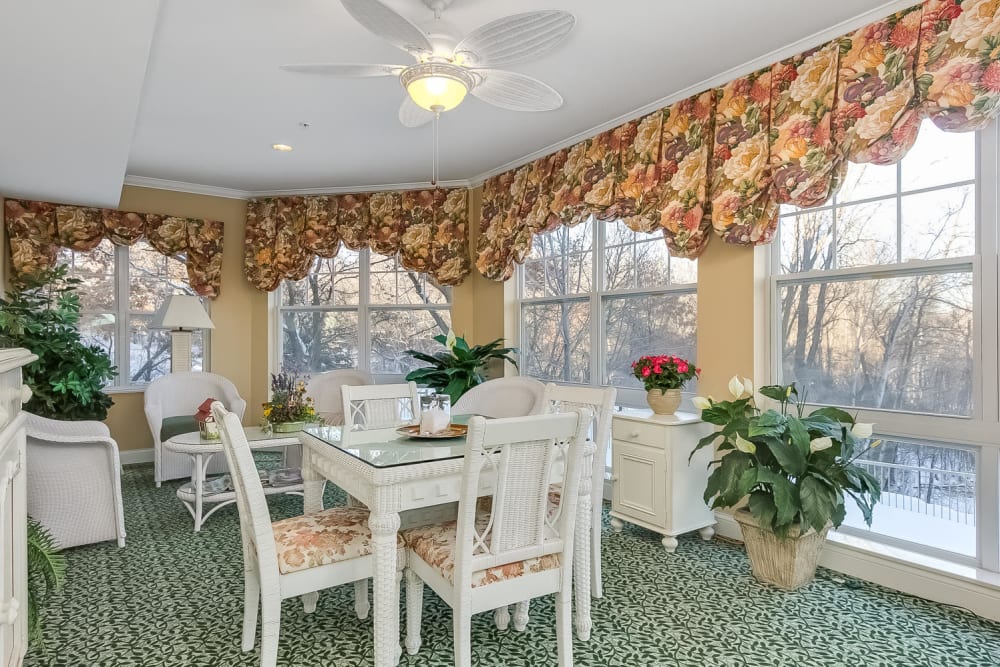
(600, 403)
(503, 397)
(291, 557)
(325, 390)
(515, 550)
(380, 405)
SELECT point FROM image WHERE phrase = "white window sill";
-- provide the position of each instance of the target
(968, 573)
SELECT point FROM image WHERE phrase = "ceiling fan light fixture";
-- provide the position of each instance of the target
(437, 86)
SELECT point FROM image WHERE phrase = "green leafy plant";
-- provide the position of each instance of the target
(42, 313)
(795, 468)
(460, 368)
(46, 573)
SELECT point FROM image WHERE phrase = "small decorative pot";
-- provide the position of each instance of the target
(664, 401)
(786, 562)
(289, 427)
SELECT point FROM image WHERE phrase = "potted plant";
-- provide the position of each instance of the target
(46, 573)
(663, 377)
(41, 313)
(795, 471)
(289, 409)
(460, 368)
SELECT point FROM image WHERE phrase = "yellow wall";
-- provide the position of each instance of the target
(239, 340)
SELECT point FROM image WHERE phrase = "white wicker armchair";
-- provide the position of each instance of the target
(503, 397)
(180, 394)
(325, 390)
(74, 481)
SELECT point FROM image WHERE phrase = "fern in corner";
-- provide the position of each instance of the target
(46, 572)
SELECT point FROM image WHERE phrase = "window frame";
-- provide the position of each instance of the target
(981, 429)
(123, 313)
(597, 297)
(363, 309)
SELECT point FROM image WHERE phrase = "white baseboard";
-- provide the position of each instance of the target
(922, 581)
(132, 456)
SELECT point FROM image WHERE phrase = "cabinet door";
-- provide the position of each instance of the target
(640, 483)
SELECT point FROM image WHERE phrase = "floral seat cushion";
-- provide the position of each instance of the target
(331, 536)
(435, 545)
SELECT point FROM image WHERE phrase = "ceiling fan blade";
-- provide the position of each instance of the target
(516, 38)
(411, 115)
(345, 70)
(514, 91)
(390, 26)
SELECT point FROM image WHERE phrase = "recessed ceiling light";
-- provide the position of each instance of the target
(282, 148)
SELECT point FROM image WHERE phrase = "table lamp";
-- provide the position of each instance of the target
(181, 313)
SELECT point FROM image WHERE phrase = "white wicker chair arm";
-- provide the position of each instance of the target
(53, 429)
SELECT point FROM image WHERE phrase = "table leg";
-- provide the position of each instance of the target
(198, 478)
(581, 557)
(312, 484)
(385, 618)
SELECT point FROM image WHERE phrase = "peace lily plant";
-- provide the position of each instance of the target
(794, 470)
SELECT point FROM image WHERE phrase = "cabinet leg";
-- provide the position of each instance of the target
(669, 543)
(617, 524)
(707, 533)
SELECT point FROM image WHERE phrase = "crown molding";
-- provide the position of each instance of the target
(182, 186)
(378, 187)
(804, 44)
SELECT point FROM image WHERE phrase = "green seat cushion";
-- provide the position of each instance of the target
(172, 426)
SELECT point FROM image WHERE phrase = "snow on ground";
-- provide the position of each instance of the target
(920, 522)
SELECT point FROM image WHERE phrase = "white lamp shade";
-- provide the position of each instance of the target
(181, 311)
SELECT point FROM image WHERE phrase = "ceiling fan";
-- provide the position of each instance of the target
(447, 68)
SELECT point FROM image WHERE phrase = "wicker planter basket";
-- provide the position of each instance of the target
(664, 401)
(289, 427)
(786, 562)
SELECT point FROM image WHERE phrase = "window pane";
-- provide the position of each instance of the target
(866, 234)
(683, 271)
(332, 282)
(900, 343)
(865, 181)
(939, 158)
(807, 241)
(649, 324)
(96, 270)
(391, 284)
(153, 277)
(566, 255)
(99, 329)
(316, 341)
(556, 343)
(940, 224)
(928, 495)
(149, 351)
(395, 331)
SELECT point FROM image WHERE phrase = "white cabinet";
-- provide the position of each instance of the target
(13, 520)
(654, 486)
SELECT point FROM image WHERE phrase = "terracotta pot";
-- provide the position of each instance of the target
(785, 562)
(664, 401)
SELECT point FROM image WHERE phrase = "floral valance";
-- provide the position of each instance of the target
(726, 159)
(36, 231)
(428, 228)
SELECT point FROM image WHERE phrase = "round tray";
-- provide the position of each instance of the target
(453, 431)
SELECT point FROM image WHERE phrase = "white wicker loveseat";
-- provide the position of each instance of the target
(74, 481)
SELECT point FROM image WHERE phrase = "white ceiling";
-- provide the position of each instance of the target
(213, 99)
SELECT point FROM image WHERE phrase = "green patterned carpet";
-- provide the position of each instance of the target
(172, 597)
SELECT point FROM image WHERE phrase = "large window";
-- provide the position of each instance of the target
(361, 310)
(885, 303)
(597, 296)
(122, 289)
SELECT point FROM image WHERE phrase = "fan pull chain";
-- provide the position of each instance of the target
(434, 154)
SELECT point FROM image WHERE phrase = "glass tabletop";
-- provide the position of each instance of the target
(385, 448)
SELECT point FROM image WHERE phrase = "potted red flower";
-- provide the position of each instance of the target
(664, 376)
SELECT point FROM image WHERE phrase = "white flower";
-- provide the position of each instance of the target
(701, 402)
(745, 445)
(736, 387)
(450, 340)
(819, 444)
(748, 386)
(862, 430)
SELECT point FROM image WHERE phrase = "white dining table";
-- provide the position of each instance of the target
(402, 480)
